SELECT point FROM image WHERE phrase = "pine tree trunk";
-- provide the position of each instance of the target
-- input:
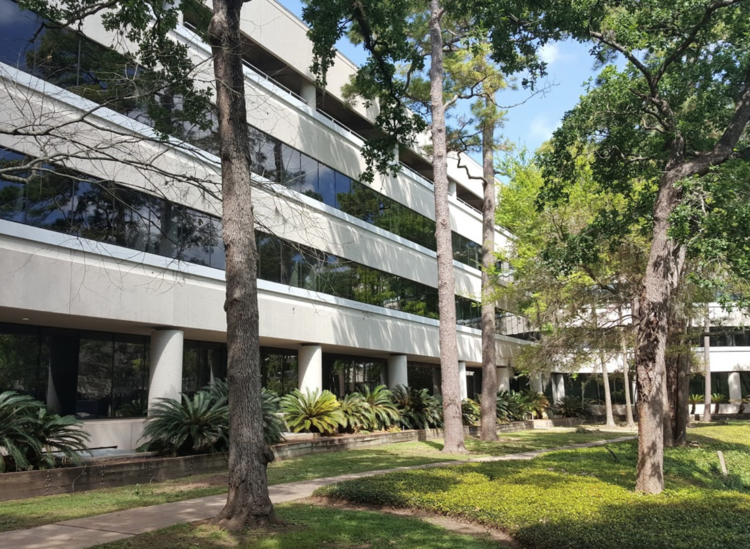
(670, 400)
(663, 271)
(610, 417)
(453, 426)
(626, 375)
(683, 396)
(489, 367)
(248, 501)
(707, 362)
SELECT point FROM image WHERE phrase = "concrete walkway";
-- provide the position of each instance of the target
(90, 531)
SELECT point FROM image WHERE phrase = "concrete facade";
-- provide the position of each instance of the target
(55, 281)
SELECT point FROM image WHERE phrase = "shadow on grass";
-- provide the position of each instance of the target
(312, 527)
(707, 519)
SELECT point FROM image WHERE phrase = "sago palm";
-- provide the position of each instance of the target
(380, 408)
(191, 425)
(470, 411)
(354, 411)
(61, 440)
(19, 419)
(694, 400)
(317, 412)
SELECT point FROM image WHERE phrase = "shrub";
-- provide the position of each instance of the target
(693, 400)
(273, 425)
(718, 398)
(571, 406)
(418, 409)
(354, 412)
(381, 411)
(61, 439)
(31, 438)
(188, 426)
(470, 411)
(534, 402)
(514, 406)
(314, 411)
(18, 419)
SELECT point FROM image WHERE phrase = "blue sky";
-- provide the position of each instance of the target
(569, 66)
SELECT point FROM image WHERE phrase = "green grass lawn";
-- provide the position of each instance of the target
(309, 526)
(47, 509)
(584, 499)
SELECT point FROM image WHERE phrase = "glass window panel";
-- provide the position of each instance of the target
(22, 363)
(11, 193)
(95, 370)
(194, 235)
(196, 370)
(17, 29)
(269, 252)
(292, 175)
(327, 185)
(130, 379)
(49, 202)
(218, 257)
(163, 229)
(308, 184)
(343, 188)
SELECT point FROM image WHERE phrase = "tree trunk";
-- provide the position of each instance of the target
(683, 396)
(453, 426)
(248, 501)
(707, 362)
(626, 375)
(671, 368)
(489, 367)
(663, 271)
(610, 421)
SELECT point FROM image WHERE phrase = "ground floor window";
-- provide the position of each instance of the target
(422, 375)
(343, 374)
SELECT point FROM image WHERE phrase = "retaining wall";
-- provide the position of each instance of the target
(144, 470)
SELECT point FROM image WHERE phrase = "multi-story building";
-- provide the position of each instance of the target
(111, 258)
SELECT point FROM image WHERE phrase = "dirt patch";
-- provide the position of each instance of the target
(451, 524)
(220, 480)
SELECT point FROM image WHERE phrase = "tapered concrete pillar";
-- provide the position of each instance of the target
(397, 371)
(503, 378)
(308, 92)
(536, 383)
(735, 388)
(462, 379)
(165, 376)
(452, 187)
(310, 373)
(558, 387)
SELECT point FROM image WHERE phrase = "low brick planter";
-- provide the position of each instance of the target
(144, 470)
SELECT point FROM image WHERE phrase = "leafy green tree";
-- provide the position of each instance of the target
(399, 36)
(161, 80)
(673, 121)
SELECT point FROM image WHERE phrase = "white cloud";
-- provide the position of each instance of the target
(541, 127)
(549, 53)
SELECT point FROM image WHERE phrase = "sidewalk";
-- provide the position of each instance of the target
(86, 532)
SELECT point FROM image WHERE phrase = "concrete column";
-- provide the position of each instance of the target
(62, 384)
(452, 187)
(308, 92)
(503, 378)
(165, 376)
(558, 387)
(634, 390)
(397, 371)
(735, 388)
(536, 383)
(462, 379)
(310, 360)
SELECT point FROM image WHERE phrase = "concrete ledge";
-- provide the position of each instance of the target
(144, 470)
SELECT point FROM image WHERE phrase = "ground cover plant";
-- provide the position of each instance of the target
(585, 499)
(310, 526)
(47, 509)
